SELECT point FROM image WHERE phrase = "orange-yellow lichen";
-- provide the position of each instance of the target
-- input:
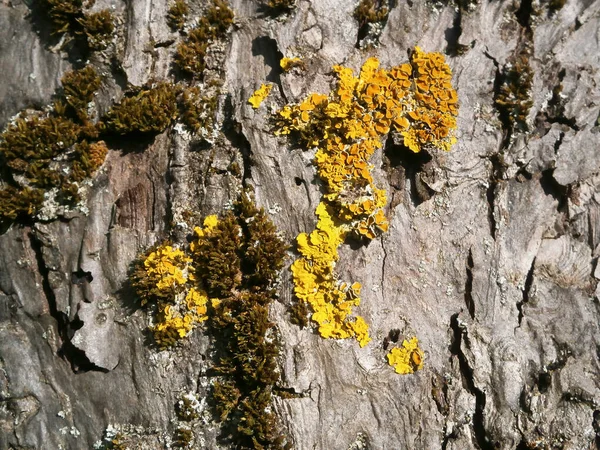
(181, 300)
(288, 64)
(408, 358)
(168, 268)
(347, 126)
(259, 95)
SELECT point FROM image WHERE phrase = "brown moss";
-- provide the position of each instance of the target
(213, 25)
(370, 11)
(149, 110)
(19, 204)
(277, 7)
(79, 88)
(97, 28)
(177, 14)
(197, 111)
(63, 14)
(513, 94)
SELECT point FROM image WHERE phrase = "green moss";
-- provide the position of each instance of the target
(218, 259)
(244, 257)
(38, 138)
(235, 261)
(299, 313)
(184, 437)
(177, 14)
(94, 30)
(149, 110)
(213, 25)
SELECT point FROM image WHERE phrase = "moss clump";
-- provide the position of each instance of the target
(79, 88)
(277, 7)
(97, 28)
(370, 11)
(177, 14)
(18, 204)
(67, 16)
(513, 94)
(63, 14)
(371, 16)
(197, 111)
(53, 151)
(213, 25)
(234, 262)
(149, 110)
(238, 262)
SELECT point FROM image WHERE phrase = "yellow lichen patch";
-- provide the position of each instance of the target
(259, 95)
(288, 64)
(166, 276)
(316, 284)
(347, 126)
(168, 269)
(408, 358)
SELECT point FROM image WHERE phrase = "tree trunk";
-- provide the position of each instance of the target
(490, 259)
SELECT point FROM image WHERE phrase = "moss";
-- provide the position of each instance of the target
(38, 138)
(94, 30)
(235, 261)
(18, 204)
(79, 88)
(277, 7)
(213, 25)
(149, 110)
(371, 16)
(51, 150)
(513, 94)
(63, 14)
(370, 11)
(197, 111)
(184, 437)
(177, 14)
(97, 28)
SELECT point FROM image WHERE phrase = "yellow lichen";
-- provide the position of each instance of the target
(181, 301)
(288, 64)
(259, 95)
(347, 126)
(168, 269)
(408, 358)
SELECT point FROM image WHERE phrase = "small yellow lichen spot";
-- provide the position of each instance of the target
(210, 222)
(289, 63)
(408, 358)
(259, 95)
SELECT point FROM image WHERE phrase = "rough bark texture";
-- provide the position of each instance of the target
(491, 259)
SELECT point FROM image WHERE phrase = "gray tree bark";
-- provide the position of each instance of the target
(490, 260)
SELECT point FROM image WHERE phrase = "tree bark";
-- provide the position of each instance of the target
(490, 260)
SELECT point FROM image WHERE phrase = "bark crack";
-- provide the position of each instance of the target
(482, 439)
(65, 328)
(526, 292)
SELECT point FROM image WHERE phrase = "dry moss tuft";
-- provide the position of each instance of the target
(149, 110)
(177, 14)
(213, 25)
